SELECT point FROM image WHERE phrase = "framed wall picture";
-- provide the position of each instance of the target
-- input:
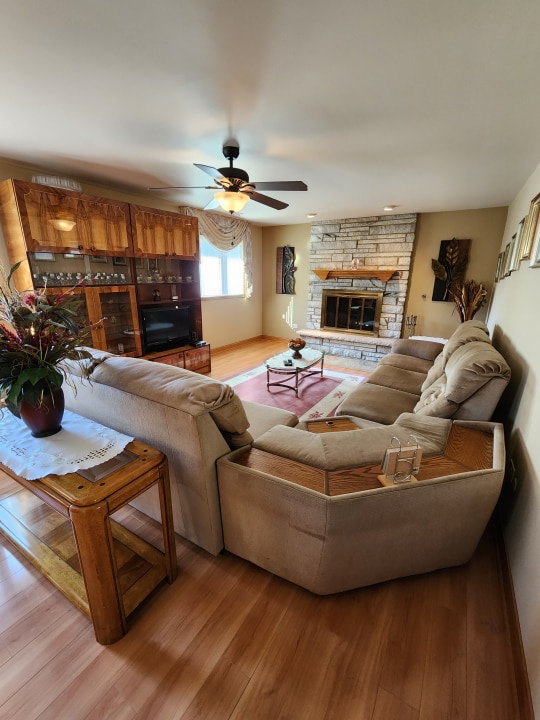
(535, 250)
(515, 248)
(122, 261)
(519, 243)
(530, 228)
(506, 261)
(500, 264)
(44, 256)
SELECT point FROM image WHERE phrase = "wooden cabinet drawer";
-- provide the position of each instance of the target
(176, 359)
(198, 359)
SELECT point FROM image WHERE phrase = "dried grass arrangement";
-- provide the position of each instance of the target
(468, 296)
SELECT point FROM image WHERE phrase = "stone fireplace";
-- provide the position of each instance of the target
(363, 264)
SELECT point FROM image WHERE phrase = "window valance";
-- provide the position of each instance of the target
(225, 233)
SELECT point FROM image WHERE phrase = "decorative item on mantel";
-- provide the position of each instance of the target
(37, 332)
(297, 344)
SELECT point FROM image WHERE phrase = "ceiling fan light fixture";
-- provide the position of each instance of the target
(231, 201)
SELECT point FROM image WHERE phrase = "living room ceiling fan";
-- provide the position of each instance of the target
(234, 188)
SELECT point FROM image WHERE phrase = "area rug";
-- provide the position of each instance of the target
(317, 397)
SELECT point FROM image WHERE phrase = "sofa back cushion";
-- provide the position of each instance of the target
(469, 331)
(173, 387)
(469, 368)
(434, 373)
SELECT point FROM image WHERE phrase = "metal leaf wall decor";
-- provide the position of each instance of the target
(450, 267)
(285, 269)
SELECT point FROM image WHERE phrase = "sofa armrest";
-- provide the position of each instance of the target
(424, 349)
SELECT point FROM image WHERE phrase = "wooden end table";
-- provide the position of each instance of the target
(65, 529)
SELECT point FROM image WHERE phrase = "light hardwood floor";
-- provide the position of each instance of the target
(230, 641)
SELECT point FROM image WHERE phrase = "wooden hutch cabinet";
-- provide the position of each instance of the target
(98, 225)
(158, 233)
(122, 256)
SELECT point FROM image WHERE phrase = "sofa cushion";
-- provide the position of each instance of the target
(470, 367)
(425, 349)
(397, 378)
(262, 417)
(352, 448)
(434, 402)
(434, 373)
(377, 403)
(407, 362)
(470, 331)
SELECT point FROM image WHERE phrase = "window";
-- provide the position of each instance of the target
(222, 273)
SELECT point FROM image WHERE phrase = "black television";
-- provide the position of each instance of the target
(165, 326)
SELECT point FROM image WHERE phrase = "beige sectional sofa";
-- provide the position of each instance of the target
(324, 542)
(274, 517)
(462, 379)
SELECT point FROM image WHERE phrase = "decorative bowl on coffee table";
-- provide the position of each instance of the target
(296, 345)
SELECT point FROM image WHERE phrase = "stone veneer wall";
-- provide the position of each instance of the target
(378, 243)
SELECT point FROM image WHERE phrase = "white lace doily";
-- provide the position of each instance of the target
(81, 444)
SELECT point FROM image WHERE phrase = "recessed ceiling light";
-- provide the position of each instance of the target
(389, 208)
(311, 215)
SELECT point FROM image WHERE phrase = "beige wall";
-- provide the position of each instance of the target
(485, 228)
(281, 313)
(513, 321)
(230, 320)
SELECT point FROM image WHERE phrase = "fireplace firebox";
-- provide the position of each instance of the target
(353, 311)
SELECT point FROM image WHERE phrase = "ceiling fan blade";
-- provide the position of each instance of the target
(265, 200)
(213, 172)
(284, 185)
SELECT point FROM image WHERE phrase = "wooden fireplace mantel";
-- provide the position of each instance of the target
(383, 275)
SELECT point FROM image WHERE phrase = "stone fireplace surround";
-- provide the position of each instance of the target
(375, 244)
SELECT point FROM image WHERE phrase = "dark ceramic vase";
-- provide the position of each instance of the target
(46, 418)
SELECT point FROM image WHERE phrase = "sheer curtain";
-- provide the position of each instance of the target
(225, 233)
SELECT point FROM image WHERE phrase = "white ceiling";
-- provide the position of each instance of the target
(427, 105)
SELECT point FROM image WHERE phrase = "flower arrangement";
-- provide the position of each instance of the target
(468, 297)
(37, 332)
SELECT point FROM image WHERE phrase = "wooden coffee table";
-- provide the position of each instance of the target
(63, 525)
(300, 368)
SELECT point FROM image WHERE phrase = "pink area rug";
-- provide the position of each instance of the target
(317, 397)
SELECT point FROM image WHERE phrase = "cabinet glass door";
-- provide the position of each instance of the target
(82, 312)
(118, 321)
